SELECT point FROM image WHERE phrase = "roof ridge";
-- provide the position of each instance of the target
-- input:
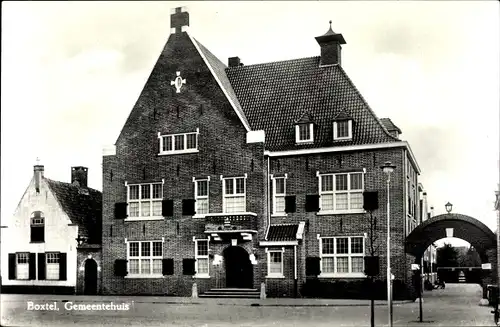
(366, 104)
(273, 62)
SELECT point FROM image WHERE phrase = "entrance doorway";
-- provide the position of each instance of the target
(90, 286)
(239, 269)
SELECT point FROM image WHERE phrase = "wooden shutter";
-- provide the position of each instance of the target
(312, 203)
(62, 266)
(41, 266)
(290, 203)
(168, 267)
(188, 207)
(167, 208)
(120, 267)
(188, 266)
(32, 266)
(121, 210)
(12, 266)
(312, 266)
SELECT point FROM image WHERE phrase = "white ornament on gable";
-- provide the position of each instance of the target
(178, 82)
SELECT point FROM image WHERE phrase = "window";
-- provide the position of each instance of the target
(52, 265)
(22, 266)
(145, 258)
(234, 199)
(279, 192)
(275, 263)
(304, 133)
(201, 196)
(341, 192)
(342, 130)
(144, 200)
(37, 227)
(342, 256)
(201, 256)
(179, 143)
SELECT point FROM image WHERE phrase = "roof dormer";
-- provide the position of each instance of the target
(304, 129)
(342, 127)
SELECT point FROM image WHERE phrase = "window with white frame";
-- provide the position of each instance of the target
(145, 258)
(144, 200)
(22, 266)
(275, 263)
(342, 129)
(304, 133)
(341, 192)
(279, 192)
(342, 256)
(201, 256)
(201, 196)
(179, 143)
(52, 265)
(234, 194)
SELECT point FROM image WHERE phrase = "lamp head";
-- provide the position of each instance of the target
(388, 167)
(448, 206)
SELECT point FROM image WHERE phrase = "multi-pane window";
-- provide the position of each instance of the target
(144, 200)
(234, 194)
(275, 263)
(22, 266)
(178, 143)
(341, 192)
(145, 258)
(304, 133)
(201, 196)
(52, 265)
(201, 257)
(342, 129)
(37, 222)
(342, 255)
(279, 192)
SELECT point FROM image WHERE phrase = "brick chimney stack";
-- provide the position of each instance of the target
(330, 44)
(38, 175)
(234, 62)
(79, 175)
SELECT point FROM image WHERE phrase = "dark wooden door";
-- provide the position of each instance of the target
(239, 269)
(90, 286)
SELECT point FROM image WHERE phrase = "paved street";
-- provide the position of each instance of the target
(457, 305)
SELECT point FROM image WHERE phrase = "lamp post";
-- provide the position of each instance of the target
(448, 207)
(388, 168)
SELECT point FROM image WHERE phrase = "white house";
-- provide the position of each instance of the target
(52, 243)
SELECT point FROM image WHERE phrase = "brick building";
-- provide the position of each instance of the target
(53, 239)
(233, 176)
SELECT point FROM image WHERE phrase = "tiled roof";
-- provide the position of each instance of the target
(389, 125)
(275, 95)
(219, 70)
(83, 208)
(284, 232)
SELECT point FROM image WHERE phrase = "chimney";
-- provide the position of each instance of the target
(330, 44)
(38, 174)
(234, 62)
(79, 176)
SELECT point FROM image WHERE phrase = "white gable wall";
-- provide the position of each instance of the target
(59, 236)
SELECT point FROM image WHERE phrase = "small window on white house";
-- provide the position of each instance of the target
(144, 200)
(22, 267)
(179, 143)
(201, 256)
(304, 133)
(201, 196)
(52, 265)
(279, 193)
(275, 263)
(234, 190)
(342, 130)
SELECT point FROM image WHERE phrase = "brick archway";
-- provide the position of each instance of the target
(464, 227)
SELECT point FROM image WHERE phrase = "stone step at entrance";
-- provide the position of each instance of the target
(250, 293)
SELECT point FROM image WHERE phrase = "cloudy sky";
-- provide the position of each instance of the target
(72, 71)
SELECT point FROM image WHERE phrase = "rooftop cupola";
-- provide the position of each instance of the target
(330, 44)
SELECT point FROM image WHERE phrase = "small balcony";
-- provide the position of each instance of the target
(226, 222)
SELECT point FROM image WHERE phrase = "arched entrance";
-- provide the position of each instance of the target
(239, 269)
(90, 281)
(464, 227)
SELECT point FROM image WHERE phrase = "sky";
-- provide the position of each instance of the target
(72, 71)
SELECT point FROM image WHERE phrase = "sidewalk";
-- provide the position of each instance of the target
(271, 302)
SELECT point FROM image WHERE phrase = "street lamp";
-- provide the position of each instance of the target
(388, 168)
(448, 207)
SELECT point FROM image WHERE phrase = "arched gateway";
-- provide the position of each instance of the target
(464, 227)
